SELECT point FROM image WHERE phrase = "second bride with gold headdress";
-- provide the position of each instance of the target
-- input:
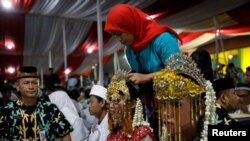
(126, 122)
(186, 101)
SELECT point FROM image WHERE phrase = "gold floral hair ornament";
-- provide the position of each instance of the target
(117, 85)
(178, 81)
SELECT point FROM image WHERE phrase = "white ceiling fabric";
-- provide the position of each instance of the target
(43, 31)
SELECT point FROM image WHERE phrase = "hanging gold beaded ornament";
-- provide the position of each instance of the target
(117, 90)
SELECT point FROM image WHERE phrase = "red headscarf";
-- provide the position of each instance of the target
(126, 18)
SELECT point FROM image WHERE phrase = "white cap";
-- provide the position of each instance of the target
(99, 90)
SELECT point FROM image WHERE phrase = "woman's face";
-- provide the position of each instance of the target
(125, 38)
(179, 114)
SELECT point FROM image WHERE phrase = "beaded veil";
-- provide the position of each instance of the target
(182, 79)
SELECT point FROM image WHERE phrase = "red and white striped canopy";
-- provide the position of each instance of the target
(36, 28)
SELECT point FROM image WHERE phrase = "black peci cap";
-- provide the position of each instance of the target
(223, 84)
(27, 71)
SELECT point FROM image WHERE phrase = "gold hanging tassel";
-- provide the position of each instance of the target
(175, 117)
(179, 122)
(192, 112)
(169, 108)
(160, 118)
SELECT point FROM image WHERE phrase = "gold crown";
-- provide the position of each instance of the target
(169, 85)
(117, 85)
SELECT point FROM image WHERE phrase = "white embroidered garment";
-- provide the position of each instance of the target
(66, 106)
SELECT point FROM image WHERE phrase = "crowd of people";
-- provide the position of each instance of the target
(165, 96)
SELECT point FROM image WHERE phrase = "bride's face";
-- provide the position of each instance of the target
(117, 109)
(178, 117)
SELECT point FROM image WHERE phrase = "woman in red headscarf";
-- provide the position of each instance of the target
(147, 45)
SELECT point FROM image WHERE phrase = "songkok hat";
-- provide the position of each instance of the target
(99, 90)
(223, 84)
(27, 71)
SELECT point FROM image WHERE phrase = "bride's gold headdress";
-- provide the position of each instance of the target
(182, 79)
(117, 85)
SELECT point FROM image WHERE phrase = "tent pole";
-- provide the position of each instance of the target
(216, 42)
(100, 42)
(64, 50)
(41, 77)
(50, 60)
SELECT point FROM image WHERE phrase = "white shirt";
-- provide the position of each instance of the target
(100, 131)
(67, 107)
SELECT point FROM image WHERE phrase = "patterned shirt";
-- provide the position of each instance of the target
(223, 118)
(42, 121)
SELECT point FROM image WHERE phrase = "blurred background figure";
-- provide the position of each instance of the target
(203, 60)
(236, 73)
(106, 79)
(243, 92)
(54, 83)
(73, 87)
(8, 93)
(67, 107)
(247, 75)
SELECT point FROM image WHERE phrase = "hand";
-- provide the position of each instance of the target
(138, 78)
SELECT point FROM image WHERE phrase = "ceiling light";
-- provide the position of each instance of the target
(67, 71)
(90, 50)
(7, 4)
(11, 70)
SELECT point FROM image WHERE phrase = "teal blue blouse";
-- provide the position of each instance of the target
(153, 57)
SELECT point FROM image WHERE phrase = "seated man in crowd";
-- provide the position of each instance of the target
(98, 107)
(31, 117)
(227, 101)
